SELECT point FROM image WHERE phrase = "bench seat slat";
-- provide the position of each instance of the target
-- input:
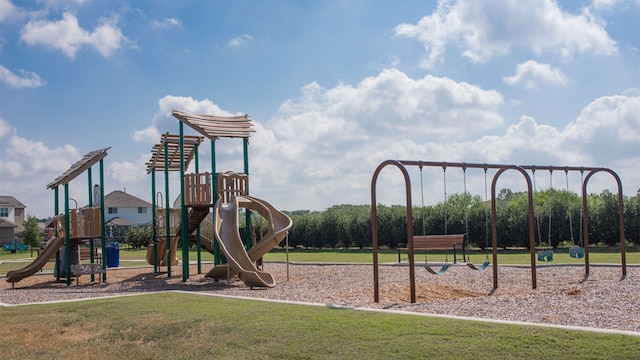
(452, 242)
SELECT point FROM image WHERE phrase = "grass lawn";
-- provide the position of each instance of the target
(185, 326)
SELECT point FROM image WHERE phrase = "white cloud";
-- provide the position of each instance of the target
(327, 143)
(24, 79)
(614, 120)
(167, 23)
(27, 167)
(606, 4)
(391, 101)
(167, 104)
(7, 9)
(237, 41)
(67, 36)
(5, 129)
(531, 73)
(126, 172)
(482, 30)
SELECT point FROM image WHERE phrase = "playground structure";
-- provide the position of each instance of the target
(73, 227)
(501, 168)
(226, 196)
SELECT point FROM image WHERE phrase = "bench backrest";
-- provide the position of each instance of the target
(85, 253)
(439, 242)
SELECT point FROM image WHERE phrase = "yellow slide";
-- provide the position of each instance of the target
(241, 262)
(43, 258)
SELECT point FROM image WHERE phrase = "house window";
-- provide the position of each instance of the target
(113, 210)
(142, 210)
(4, 212)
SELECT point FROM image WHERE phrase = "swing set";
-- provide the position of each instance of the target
(576, 250)
(446, 241)
(501, 168)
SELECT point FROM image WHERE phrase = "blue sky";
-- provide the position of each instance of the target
(334, 88)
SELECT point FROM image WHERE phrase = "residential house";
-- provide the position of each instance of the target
(126, 207)
(12, 218)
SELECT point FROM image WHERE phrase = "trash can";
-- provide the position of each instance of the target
(113, 254)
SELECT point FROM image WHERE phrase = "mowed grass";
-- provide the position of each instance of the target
(130, 258)
(189, 326)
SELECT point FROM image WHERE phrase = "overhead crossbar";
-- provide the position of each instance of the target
(485, 166)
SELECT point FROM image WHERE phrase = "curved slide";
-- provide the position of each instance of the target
(240, 261)
(43, 258)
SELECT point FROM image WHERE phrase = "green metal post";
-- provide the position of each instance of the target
(103, 225)
(67, 237)
(154, 234)
(198, 236)
(167, 210)
(91, 259)
(56, 211)
(183, 212)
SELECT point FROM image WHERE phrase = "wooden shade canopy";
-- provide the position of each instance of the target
(213, 127)
(79, 167)
(173, 160)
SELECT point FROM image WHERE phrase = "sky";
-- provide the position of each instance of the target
(333, 87)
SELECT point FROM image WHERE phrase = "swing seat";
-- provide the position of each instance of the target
(481, 267)
(545, 255)
(442, 270)
(576, 252)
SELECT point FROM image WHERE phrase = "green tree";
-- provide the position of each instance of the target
(31, 235)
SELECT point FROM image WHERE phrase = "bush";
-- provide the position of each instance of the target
(138, 238)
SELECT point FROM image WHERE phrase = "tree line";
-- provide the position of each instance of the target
(557, 213)
(557, 222)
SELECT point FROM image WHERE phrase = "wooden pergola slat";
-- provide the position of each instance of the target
(79, 167)
(213, 127)
(157, 161)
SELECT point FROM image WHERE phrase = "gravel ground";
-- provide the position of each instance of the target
(564, 295)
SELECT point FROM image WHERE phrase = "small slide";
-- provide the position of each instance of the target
(162, 252)
(43, 258)
(240, 261)
(195, 217)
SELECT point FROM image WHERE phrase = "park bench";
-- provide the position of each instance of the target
(85, 269)
(424, 243)
(85, 254)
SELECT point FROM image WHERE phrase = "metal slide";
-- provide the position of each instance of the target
(43, 258)
(239, 261)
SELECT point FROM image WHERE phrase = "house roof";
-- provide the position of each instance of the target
(118, 221)
(4, 223)
(10, 201)
(121, 199)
